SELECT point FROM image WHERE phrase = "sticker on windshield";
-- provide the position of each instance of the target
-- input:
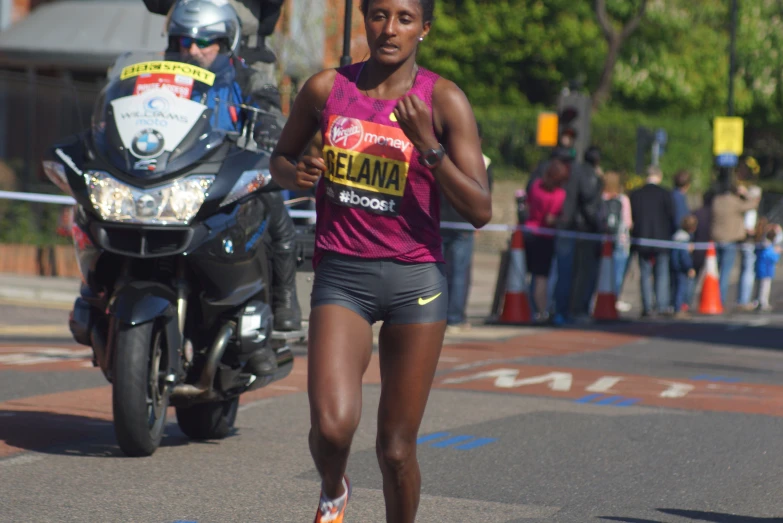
(180, 85)
(178, 68)
(155, 121)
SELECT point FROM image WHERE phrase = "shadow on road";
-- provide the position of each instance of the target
(717, 517)
(697, 515)
(714, 332)
(68, 435)
(631, 520)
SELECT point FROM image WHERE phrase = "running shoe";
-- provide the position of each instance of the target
(333, 510)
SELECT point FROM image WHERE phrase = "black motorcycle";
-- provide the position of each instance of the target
(169, 234)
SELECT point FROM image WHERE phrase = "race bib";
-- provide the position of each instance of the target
(366, 165)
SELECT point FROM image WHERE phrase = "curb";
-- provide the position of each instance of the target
(39, 289)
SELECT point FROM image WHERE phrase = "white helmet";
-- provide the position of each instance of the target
(209, 19)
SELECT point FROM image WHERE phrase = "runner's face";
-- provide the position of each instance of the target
(394, 28)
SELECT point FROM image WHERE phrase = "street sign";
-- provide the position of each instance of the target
(727, 160)
(728, 135)
(661, 137)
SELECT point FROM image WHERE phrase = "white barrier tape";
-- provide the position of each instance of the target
(33, 197)
(665, 244)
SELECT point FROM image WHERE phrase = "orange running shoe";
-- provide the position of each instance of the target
(333, 510)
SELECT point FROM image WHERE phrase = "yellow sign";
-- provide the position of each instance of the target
(546, 132)
(728, 135)
(197, 73)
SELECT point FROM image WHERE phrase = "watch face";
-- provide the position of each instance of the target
(432, 157)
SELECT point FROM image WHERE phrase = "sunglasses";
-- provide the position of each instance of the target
(186, 41)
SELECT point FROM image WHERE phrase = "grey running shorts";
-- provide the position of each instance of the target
(382, 290)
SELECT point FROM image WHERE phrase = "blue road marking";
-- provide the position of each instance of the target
(602, 399)
(451, 441)
(589, 398)
(430, 437)
(478, 442)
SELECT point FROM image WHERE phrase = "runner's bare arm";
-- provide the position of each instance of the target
(462, 175)
(289, 167)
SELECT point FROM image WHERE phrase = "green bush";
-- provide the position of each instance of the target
(30, 223)
(509, 139)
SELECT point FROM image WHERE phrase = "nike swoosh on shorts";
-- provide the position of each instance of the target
(425, 301)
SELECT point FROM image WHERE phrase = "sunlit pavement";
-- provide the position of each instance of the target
(657, 421)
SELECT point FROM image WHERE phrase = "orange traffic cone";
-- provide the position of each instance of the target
(710, 290)
(516, 307)
(606, 298)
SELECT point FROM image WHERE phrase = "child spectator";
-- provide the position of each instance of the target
(767, 256)
(682, 269)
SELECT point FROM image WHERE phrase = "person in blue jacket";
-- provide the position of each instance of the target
(681, 265)
(207, 34)
(767, 257)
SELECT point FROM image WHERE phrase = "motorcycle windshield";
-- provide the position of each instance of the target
(158, 114)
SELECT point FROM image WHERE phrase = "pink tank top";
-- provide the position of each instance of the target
(376, 200)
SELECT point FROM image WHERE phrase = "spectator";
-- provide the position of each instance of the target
(682, 184)
(682, 270)
(545, 203)
(728, 229)
(618, 223)
(458, 254)
(767, 257)
(703, 230)
(745, 176)
(581, 213)
(565, 154)
(593, 157)
(652, 210)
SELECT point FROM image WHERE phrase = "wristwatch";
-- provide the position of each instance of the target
(431, 158)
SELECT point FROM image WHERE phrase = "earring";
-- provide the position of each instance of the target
(421, 39)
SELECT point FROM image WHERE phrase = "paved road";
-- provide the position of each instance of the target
(643, 422)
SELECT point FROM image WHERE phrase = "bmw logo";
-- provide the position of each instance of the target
(147, 143)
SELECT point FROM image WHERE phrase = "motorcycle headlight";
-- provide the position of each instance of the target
(175, 203)
(248, 182)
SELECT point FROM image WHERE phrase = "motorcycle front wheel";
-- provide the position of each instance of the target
(140, 394)
(213, 420)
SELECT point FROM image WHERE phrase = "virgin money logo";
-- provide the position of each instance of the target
(346, 132)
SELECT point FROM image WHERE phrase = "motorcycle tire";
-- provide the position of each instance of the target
(214, 420)
(140, 396)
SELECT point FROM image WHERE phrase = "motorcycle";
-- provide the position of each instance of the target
(169, 234)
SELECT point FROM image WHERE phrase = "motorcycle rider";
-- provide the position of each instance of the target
(207, 34)
(258, 19)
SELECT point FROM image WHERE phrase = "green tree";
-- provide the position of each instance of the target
(514, 51)
(615, 37)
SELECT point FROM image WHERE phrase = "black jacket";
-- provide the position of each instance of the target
(652, 209)
(583, 205)
(702, 234)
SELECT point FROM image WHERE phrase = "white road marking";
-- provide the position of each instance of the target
(603, 384)
(675, 390)
(506, 379)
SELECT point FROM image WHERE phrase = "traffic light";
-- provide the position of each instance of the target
(574, 122)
